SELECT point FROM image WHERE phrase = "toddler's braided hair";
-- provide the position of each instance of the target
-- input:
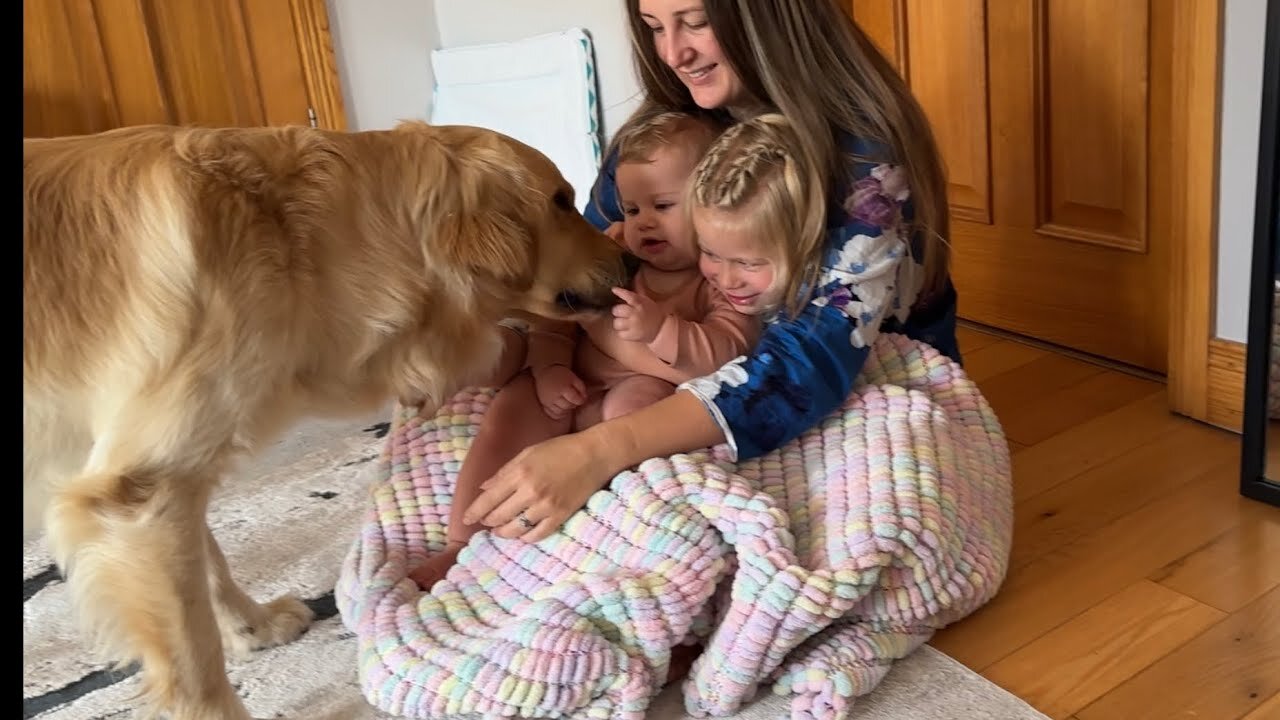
(756, 173)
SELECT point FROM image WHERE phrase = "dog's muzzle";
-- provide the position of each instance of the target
(620, 275)
(574, 301)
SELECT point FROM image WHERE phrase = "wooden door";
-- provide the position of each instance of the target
(1053, 119)
(93, 65)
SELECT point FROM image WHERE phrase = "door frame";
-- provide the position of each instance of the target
(320, 69)
(1205, 375)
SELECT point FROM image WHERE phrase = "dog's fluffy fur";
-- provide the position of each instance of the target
(190, 292)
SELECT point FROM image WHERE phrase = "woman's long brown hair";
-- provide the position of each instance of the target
(808, 60)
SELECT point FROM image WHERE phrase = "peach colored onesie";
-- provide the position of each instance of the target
(701, 333)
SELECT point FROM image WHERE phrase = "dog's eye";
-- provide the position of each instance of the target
(562, 200)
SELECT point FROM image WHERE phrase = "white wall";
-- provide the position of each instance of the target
(383, 50)
(1242, 43)
(474, 22)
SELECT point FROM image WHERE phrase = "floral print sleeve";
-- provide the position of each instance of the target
(803, 369)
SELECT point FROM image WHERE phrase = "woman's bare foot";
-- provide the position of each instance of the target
(437, 566)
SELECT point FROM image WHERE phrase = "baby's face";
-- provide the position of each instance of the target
(654, 223)
(736, 262)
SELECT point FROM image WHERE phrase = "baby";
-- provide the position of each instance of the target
(672, 326)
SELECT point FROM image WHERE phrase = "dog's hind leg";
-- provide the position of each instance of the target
(132, 546)
(247, 625)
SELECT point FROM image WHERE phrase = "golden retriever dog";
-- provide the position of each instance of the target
(190, 292)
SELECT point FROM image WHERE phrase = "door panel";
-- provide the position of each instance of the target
(1046, 113)
(92, 65)
(65, 87)
(1091, 134)
(947, 69)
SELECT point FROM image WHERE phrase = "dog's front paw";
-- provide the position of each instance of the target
(280, 621)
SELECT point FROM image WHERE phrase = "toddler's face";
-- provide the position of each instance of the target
(654, 225)
(736, 262)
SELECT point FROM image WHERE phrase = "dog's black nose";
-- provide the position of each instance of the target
(569, 299)
(574, 301)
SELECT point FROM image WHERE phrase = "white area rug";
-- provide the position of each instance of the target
(285, 526)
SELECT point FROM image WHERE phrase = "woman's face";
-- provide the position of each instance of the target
(684, 40)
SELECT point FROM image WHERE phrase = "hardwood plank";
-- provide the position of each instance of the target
(1048, 411)
(1101, 648)
(972, 339)
(1019, 393)
(999, 357)
(1054, 588)
(1091, 444)
(1235, 568)
(1085, 503)
(1268, 710)
(1225, 672)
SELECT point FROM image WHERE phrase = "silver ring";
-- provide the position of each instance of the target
(524, 521)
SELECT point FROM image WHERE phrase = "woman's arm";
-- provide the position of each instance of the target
(676, 424)
(553, 479)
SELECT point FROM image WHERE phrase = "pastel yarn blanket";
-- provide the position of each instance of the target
(814, 567)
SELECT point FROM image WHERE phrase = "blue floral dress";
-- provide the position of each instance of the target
(804, 368)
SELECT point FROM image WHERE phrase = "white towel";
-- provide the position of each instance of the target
(540, 90)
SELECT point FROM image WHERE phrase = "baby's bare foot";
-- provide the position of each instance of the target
(434, 569)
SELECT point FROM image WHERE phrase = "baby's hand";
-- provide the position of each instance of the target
(559, 390)
(639, 319)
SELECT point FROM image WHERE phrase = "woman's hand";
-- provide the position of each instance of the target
(548, 482)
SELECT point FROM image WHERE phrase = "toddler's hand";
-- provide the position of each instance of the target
(559, 390)
(639, 319)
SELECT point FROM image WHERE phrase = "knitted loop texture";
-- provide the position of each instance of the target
(813, 568)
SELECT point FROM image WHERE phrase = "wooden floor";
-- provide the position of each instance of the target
(1141, 584)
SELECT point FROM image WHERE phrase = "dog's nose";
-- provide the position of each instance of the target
(569, 299)
(575, 301)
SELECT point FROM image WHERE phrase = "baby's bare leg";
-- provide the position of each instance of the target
(514, 421)
(514, 348)
(632, 394)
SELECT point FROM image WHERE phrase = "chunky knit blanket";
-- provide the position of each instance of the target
(814, 567)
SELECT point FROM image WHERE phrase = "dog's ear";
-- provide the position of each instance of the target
(486, 218)
(486, 242)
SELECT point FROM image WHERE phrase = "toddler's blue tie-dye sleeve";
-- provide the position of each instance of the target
(804, 368)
